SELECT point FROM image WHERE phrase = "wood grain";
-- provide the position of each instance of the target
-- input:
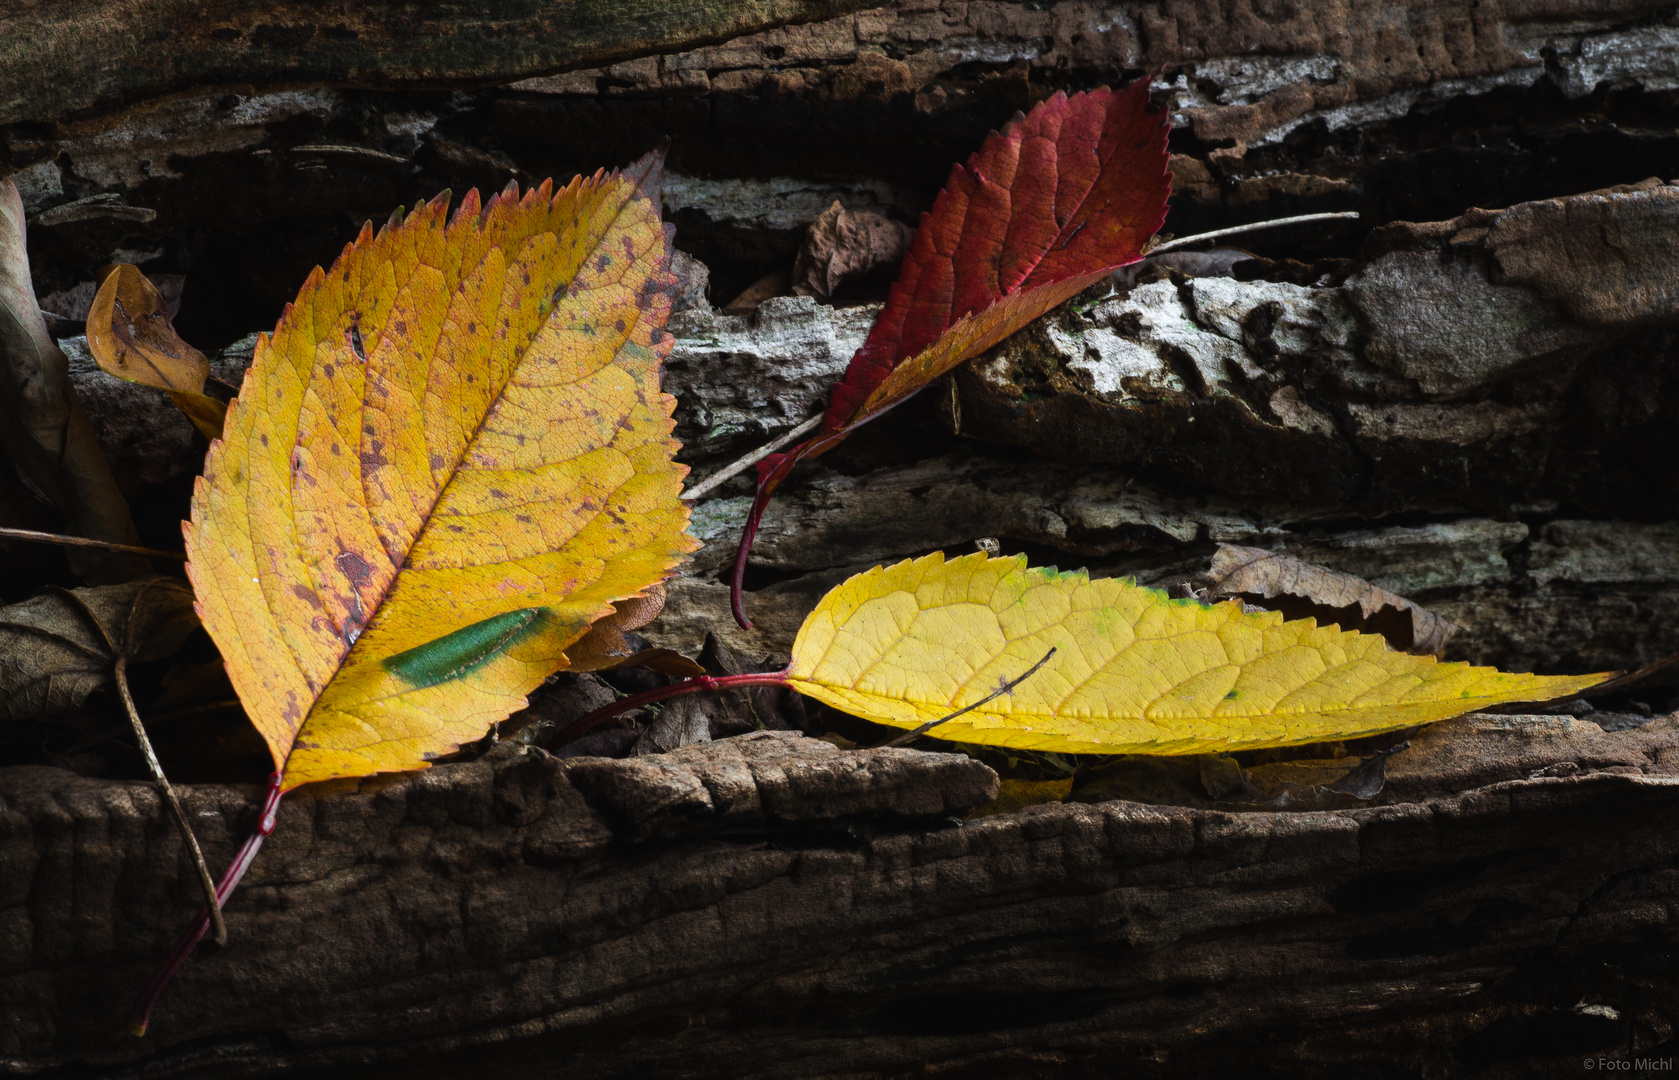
(62, 58)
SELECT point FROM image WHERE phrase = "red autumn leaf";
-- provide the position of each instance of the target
(1048, 205)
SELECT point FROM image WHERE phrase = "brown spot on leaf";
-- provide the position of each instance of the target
(356, 568)
(307, 595)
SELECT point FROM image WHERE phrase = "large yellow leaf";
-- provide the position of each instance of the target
(450, 459)
(1133, 671)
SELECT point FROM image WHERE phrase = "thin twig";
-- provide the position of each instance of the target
(82, 541)
(168, 793)
(1255, 226)
(727, 472)
(1006, 688)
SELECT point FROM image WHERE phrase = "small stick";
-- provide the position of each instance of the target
(728, 472)
(82, 541)
(1256, 226)
(168, 792)
(1006, 688)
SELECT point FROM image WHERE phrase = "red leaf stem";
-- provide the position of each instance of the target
(659, 693)
(140, 1013)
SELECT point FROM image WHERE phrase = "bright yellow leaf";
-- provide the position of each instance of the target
(451, 457)
(1133, 672)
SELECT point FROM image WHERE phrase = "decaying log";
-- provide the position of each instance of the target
(1503, 908)
(64, 58)
(1472, 408)
(1485, 361)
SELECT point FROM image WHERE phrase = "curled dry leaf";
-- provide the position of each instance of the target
(1300, 590)
(43, 430)
(57, 648)
(130, 333)
(606, 648)
(845, 245)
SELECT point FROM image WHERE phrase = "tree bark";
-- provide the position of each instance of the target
(64, 58)
(1468, 397)
(771, 904)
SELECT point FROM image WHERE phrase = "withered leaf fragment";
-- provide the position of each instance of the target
(1301, 590)
(53, 654)
(606, 648)
(129, 332)
(845, 245)
(43, 430)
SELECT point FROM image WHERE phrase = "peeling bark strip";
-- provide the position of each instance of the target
(63, 58)
(818, 910)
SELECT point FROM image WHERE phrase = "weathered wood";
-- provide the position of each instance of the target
(68, 56)
(1505, 907)
(772, 905)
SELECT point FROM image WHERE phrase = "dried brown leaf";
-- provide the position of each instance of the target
(43, 431)
(845, 245)
(682, 722)
(59, 647)
(1302, 590)
(606, 648)
(129, 332)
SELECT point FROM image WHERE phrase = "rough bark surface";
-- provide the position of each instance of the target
(1485, 361)
(63, 58)
(810, 911)
(1467, 398)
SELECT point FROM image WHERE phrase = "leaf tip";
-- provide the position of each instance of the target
(470, 209)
